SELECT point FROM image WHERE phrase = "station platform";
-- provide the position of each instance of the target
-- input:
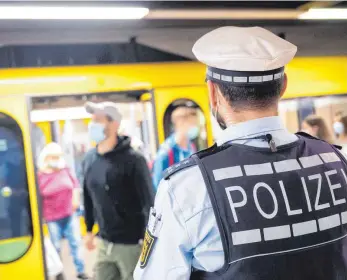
(69, 268)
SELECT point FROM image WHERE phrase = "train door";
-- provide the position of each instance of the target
(167, 99)
(21, 246)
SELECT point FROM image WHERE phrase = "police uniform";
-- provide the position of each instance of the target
(262, 203)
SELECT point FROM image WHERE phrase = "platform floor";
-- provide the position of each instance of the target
(69, 269)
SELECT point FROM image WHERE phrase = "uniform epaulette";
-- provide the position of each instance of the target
(178, 166)
(187, 162)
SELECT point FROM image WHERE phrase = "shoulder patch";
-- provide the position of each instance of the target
(178, 166)
(147, 248)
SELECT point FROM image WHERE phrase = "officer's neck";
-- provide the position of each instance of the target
(233, 116)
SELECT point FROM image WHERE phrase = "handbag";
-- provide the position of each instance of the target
(53, 261)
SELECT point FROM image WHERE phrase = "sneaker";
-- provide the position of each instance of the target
(82, 276)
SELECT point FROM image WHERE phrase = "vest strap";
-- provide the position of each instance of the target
(306, 135)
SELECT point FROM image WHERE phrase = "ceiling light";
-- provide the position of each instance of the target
(243, 14)
(71, 13)
(332, 13)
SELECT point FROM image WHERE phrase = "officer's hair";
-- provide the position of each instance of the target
(254, 97)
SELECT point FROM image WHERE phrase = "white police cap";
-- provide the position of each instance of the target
(243, 55)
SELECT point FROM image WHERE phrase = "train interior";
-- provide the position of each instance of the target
(63, 120)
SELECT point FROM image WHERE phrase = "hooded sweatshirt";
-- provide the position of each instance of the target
(118, 194)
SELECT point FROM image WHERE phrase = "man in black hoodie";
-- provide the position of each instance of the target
(118, 194)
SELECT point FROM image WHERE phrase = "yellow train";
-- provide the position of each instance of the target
(41, 99)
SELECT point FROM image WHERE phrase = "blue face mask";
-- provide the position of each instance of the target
(96, 132)
(193, 132)
(339, 128)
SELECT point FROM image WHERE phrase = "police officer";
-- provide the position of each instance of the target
(262, 203)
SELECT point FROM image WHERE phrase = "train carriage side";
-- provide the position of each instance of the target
(316, 84)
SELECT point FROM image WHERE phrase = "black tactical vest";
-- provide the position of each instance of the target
(281, 215)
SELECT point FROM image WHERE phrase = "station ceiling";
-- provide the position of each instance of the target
(174, 26)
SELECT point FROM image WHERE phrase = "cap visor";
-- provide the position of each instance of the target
(93, 108)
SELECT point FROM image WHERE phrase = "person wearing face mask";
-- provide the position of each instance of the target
(338, 126)
(117, 192)
(180, 144)
(339, 129)
(60, 193)
(262, 202)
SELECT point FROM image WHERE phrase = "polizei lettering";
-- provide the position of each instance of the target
(286, 199)
(312, 192)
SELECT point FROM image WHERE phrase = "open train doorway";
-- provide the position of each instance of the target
(63, 119)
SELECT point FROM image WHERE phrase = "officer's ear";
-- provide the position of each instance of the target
(212, 94)
(284, 87)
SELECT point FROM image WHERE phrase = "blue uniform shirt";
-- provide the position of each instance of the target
(189, 235)
(162, 160)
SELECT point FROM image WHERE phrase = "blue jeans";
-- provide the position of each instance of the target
(69, 228)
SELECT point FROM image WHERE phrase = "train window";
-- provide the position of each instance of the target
(15, 219)
(201, 140)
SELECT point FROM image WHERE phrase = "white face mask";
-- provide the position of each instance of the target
(193, 132)
(339, 128)
(96, 132)
(56, 164)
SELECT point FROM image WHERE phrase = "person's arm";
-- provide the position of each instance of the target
(88, 219)
(143, 184)
(88, 206)
(170, 256)
(88, 210)
(76, 195)
(76, 199)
